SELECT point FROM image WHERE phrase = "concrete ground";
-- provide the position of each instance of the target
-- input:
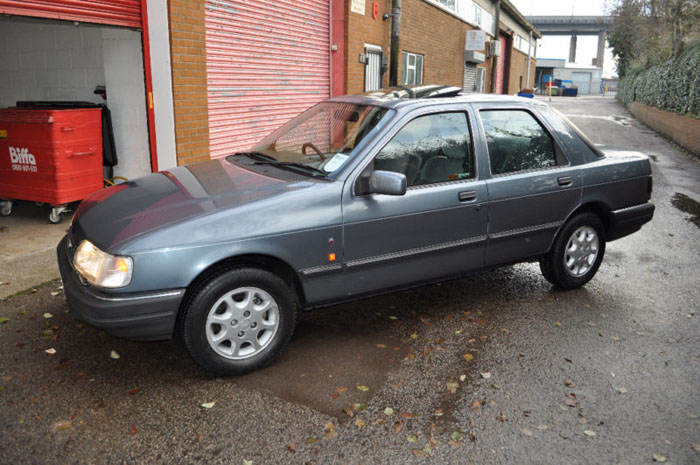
(26, 243)
(497, 367)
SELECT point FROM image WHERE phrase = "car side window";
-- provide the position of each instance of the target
(516, 141)
(430, 149)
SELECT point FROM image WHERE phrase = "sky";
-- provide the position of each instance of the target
(558, 46)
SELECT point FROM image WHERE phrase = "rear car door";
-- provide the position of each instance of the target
(533, 186)
(438, 228)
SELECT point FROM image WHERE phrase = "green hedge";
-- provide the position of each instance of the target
(672, 86)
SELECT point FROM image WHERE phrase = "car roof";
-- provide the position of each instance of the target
(404, 96)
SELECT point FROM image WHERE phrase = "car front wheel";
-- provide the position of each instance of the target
(577, 252)
(238, 321)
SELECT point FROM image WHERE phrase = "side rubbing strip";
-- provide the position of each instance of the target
(529, 229)
(321, 269)
(416, 251)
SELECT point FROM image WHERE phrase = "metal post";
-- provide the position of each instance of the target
(395, 42)
(494, 65)
(529, 54)
(550, 88)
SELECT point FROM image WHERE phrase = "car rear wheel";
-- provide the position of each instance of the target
(238, 321)
(577, 252)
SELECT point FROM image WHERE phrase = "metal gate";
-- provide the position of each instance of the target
(373, 68)
(267, 61)
(117, 13)
(469, 79)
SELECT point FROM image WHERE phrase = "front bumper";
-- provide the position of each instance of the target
(141, 317)
(628, 220)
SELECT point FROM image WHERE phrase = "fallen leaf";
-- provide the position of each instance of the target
(349, 412)
(392, 317)
(695, 446)
(591, 323)
(568, 382)
(527, 432)
(199, 437)
(459, 331)
(414, 336)
(419, 453)
(51, 351)
(132, 431)
(359, 406)
(134, 391)
(502, 417)
(398, 425)
(452, 386)
(55, 293)
(557, 323)
(331, 433)
(381, 346)
(475, 405)
(541, 427)
(659, 458)
(471, 341)
(311, 440)
(341, 389)
(359, 423)
(208, 404)
(3, 320)
(496, 386)
(589, 432)
(62, 425)
(247, 462)
(462, 377)
(362, 388)
(468, 357)
(438, 412)
(411, 438)
(456, 435)
(291, 447)
(615, 338)
(48, 315)
(486, 375)
(114, 354)
(622, 390)
(388, 411)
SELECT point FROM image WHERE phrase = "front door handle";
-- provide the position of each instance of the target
(564, 181)
(467, 196)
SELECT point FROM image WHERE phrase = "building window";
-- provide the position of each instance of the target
(411, 69)
(449, 4)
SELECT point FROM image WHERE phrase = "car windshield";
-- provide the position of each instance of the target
(320, 141)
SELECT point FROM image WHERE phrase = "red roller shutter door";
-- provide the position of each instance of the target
(114, 12)
(267, 61)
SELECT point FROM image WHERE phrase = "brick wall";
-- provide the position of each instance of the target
(425, 29)
(189, 68)
(518, 72)
(683, 130)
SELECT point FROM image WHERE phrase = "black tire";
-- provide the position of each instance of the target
(552, 264)
(193, 327)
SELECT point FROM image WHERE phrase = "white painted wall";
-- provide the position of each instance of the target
(42, 60)
(57, 60)
(126, 98)
(162, 83)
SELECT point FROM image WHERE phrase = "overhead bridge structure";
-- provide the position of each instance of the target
(575, 26)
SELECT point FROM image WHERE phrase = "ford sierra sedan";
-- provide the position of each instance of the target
(357, 196)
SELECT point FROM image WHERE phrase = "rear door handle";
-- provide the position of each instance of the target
(564, 180)
(467, 196)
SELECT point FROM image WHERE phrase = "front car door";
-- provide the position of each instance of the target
(438, 228)
(533, 187)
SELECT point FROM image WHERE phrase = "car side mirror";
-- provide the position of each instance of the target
(387, 183)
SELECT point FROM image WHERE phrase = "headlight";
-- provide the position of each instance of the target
(100, 268)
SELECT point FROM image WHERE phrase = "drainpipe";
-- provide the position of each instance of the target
(494, 67)
(395, 42)
(529, 54)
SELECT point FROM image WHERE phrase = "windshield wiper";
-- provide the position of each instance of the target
(256, 156)
(292, 165)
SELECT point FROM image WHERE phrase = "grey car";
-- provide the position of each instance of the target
(357, 196)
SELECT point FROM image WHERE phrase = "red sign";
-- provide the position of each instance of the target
(375, 10)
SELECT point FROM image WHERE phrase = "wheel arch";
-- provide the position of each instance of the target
(266, 262)
(600, 209)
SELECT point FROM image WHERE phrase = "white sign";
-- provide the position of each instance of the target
(475, 40)
(357, 6)
(335, 162)
(22, 160)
